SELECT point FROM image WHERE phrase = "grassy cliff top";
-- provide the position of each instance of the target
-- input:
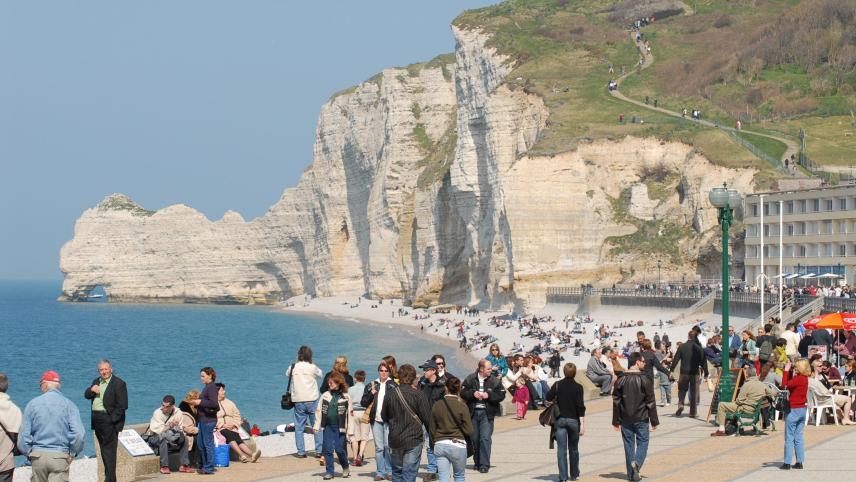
(775, 65)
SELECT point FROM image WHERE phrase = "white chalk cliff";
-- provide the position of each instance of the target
(420, 188)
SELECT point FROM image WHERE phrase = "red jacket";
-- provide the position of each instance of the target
(798, 386)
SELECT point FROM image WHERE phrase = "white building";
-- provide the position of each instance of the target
(818, 235)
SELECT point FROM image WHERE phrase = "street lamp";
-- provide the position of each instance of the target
(725, 200)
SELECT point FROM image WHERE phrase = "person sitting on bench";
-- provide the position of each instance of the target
(752, 391)
(599, 373)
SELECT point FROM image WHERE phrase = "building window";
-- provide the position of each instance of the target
(842, 204)
(766, 209)
(802, 251)
(754, 210)
(815, 205)
(801, 206)
(790, 229)
(842, 250)
(789, 207)
(827, 227)
(842, 227)
(829, 204)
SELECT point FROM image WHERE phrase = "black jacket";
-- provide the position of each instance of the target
(368, 397)
(115, 400)
(692, 359)
(433, 391)
(493, 387)
(633, 400)
(652, 364)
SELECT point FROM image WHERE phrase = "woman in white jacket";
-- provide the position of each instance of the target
(304, 393)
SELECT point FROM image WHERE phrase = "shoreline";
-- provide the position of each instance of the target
(410, 328)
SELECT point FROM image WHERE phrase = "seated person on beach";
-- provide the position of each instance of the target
(228, 423)
(599, 373)
(747, 398)
(166, 430)
(824, 395)
(831, 372)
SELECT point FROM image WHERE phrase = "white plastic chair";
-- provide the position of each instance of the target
(818, 409)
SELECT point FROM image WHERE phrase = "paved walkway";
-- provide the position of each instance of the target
(681, 449)
(792, 146)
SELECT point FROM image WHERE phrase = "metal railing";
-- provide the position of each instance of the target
(831, 304)
(777, 163)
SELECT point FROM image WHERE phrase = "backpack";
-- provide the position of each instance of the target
(766, 348)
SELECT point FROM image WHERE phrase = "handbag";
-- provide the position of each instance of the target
(14, 440)
(470, 449)
(782, 401)
(286, 402)
(366, 418)
(711, 386)
(548, 415)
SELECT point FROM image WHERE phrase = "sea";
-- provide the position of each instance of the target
(159, 349)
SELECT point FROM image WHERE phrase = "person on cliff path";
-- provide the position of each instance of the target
(633, 409)
(51, 433)
(109, 396)
(10, 425)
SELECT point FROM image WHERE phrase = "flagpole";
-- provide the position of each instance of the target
(762, 260)
(781, 270)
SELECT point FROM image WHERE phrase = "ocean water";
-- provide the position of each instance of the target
(159, 349)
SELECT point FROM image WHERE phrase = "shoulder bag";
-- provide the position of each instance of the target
(470, 449)
(549, 415)
(14, 440)
(286, 402)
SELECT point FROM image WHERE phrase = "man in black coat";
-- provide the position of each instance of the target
(109, 396)
(482, 391)
(691, 357)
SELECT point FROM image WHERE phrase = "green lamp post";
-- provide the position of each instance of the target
(725, 200)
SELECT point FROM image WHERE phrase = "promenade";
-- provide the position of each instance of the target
(681, 449)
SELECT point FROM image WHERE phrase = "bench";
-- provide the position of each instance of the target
(745, 420)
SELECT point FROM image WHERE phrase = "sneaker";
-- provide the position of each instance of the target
(635, 475)
(346, 473)
(165, 470)
(718, 433)
(798, 466)
(299, 456)
(785, 466)
(185, 469)
(679, 411)
(328, 477)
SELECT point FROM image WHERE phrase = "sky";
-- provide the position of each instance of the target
(208, 103)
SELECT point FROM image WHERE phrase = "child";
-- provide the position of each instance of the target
(333, 416)
(521, 398)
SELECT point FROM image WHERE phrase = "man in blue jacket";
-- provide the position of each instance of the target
(51, 432)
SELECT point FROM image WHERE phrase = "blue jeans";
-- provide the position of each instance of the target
(481, 436)
(205, 440)
(665, 388)
(304, 411)
(635, 437)
(432, 458)
(450, 459)
(568, 440)
(794, 425)
(334, 440)
(405, 463)
(380, 433)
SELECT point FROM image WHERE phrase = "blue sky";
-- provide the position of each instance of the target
(208, 103)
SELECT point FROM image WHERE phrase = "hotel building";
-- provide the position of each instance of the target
(818, 235)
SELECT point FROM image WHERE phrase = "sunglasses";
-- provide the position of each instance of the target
(383, 370)
(441, 364)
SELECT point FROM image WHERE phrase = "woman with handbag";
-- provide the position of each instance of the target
(303, 382)
(373, 398)
(797, 386)
(450, 429)
(570, 422)
(748, 351)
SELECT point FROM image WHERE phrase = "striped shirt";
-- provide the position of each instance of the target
(405, 431)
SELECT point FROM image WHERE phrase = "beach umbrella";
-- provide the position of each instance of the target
(833, 321)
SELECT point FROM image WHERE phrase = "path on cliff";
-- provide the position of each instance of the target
(792, 146)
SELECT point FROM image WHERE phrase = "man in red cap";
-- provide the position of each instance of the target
(51, 433)
(109, 396)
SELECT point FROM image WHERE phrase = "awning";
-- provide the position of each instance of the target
(829, 275)
(791, 276)
(785, 275)
(806, 276)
